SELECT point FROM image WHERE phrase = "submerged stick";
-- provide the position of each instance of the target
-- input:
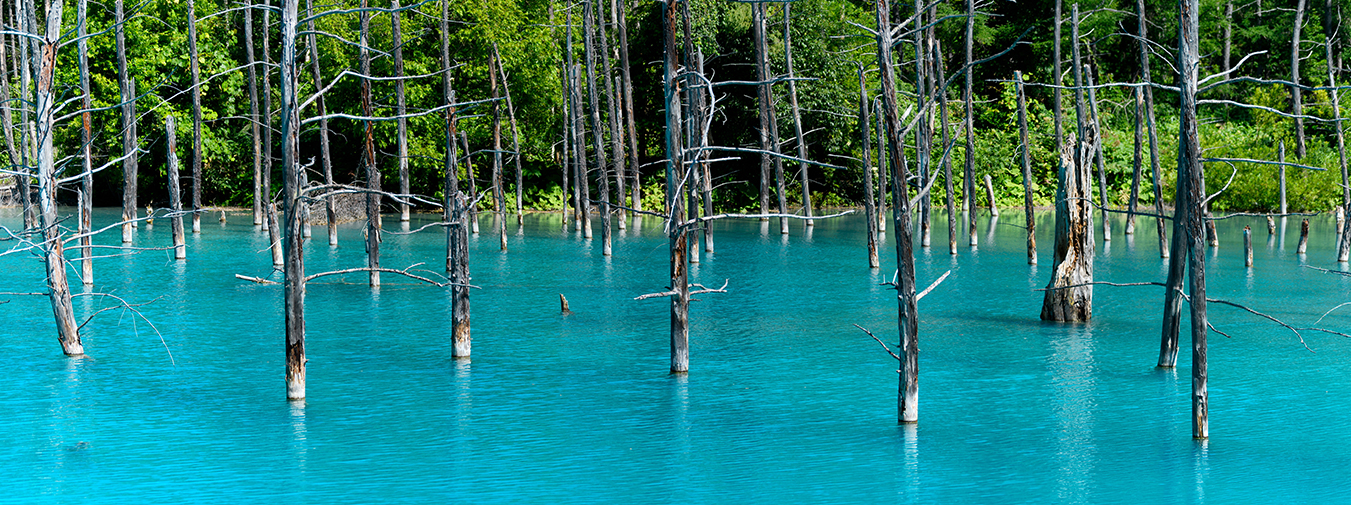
(1247, 247)
(1303, 237)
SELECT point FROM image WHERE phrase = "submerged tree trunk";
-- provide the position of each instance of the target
(267, 102)
(1073, 242)
(454, 203)
(675, 200)
(1136, 162)
(1143, 39)
(254, 120)
(515, 136)
(58, 287)
(175, 200)
(632, 128)
(906, 309)
(292, 178)
(597, 130)
(1097, 155)
(86, 145)
(868, 208)
(324, 152)
(947, 160)
(401, 108)
(129, 147)
(1191, 191)
(1027, 169)
(797, 115)
(196, 119)
(499, 205)
(372, 169)
(765, 98)
(969, 174)
(612, 100)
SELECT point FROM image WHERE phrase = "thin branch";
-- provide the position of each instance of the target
(879, 341)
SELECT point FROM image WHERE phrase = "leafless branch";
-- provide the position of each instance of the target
(879, 342)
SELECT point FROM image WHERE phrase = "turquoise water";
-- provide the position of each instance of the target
(786, 402)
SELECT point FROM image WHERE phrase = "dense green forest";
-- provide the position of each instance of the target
(828, 43)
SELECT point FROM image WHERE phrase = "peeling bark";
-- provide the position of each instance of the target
(1073, 243)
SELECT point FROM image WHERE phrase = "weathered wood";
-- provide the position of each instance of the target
(1137, 162)
(1097, 156)
(324, 151)
(597, 130)
(797, 115)
(1025, 149)
(882, 168)
(1303, 237)
(454, 203)
(196, 118)
(292, 180)
(612, 102)
(45, 106)
(924, 128)
(947, 160)
(368, 158)
(869, 209)
(706, 175)
(1142, 38)
(632, 128)
(989, 196)
(401, 106)
(515, 139)
(86, 192)
(6, 113)
(1058, 78)
(1281, 168)
(563, 303)
(1271, 226)
(254, 120)
(129, 147)
(471, 209)
(274, 236)
(969, 173)
(764, 97)
(175, 200)
(267, 100)
(1228, 32)
(906, 310)
(1069, 294)
(675, 199)
(1247, 247)
(1296, 94)
(28, 57)
(499, 205)
(1344, 232)
(1189, 162)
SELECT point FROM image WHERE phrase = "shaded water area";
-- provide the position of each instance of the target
(785, 402)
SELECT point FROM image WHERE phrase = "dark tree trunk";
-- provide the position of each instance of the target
(196, 119)
(1189, 163)
(175, 200)
(612, 101)
(267, 101)
(254, 120)
(1027, 170)
(675, 201)
(499, 205)
(457, 234)
(129, 147)
(399, 99)
(906, 309)
(292, 179)
(372, 169)
(870, 211)
(1296, 97)
(1097, 156)
(1073, 242)
(86, 145)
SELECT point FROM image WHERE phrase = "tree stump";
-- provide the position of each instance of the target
(1073, 243)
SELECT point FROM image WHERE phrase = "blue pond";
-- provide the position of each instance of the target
(786, 402)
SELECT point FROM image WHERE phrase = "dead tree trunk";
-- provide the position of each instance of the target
(372, 170)
(675, 199)
(473, 185)
(632, 128)
(1097, 155)
(1068, 298)
(924, 86)
(499, 205)
(175, 200)
(43, 52)
(947, 160)
(457, 234)
(797, 115)
(612, 100)
(1137, 161)
(907, 312)
(765, 99)
(1344, 242)
(324, 155)
(1143, 40)
(1058, 79)
(267, 101)
(129, 147)
(1303, 238)
(515, 137)
(1228, 31)
(1027, 170)
(882, 167)
(28, 68)
(1189, 162)
(196, 119)
(292, 178)
(597, 131)
(969, 174)
(1296, 97)
(868, 208)
(402, 108)
(254, 121)
(86, 145)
